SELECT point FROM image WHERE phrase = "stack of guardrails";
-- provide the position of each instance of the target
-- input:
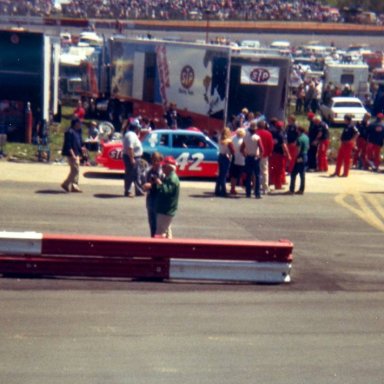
(38, 254)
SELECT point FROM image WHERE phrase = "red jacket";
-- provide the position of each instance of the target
(267, 141)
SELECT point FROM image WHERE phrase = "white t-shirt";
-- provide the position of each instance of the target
(239, 158)
(131, 140)
(252, 144)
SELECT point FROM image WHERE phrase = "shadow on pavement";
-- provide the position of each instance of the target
(103, 175)
(210, 195)
(108, 195)
(51, 192)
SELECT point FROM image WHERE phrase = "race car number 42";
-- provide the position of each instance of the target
(183, 161)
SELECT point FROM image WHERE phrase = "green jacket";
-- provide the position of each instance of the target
(303, 145)
(168, 195)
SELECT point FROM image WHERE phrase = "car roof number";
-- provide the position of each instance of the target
(153, 139)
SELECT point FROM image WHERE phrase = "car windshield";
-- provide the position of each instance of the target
(189, 141)
(347, 104)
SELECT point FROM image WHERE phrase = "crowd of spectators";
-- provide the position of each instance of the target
(197, 9)
(26, 7)
(291, 10)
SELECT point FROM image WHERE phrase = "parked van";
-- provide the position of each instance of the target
(355, 75)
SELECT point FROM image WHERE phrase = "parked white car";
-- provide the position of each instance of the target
(340, 106)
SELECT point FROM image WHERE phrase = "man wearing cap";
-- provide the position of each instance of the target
(347, 139)
(375, 141)
(73, 148)
(132, 152)
(167, 198)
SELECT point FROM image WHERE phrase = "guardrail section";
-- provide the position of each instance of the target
(145, 258)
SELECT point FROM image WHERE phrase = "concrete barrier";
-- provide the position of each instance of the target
(36, 254)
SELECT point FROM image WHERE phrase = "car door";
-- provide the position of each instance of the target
(195, 154)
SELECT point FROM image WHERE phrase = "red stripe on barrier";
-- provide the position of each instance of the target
(127, 247)
(84, 266)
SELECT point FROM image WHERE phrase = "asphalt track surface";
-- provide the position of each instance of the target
(324, 327)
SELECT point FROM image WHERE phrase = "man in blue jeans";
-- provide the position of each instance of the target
(302, 143)
(252, 149)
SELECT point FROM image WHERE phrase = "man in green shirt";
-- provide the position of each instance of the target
(302, 143)
(168, 198)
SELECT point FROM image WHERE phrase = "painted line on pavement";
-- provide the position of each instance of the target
(365, 213)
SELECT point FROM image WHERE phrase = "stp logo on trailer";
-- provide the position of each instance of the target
(187, 77)
(259, 75)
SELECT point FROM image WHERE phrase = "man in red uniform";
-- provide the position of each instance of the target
(375, 142)
(292, 135)
(322, 140)
(347, 138)
(279, 154)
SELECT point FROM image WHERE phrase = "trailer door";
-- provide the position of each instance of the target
(259, 84)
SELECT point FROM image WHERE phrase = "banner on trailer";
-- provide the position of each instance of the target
(259, 75)
(194, 78)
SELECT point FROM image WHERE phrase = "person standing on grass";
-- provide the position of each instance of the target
(344, 154)
(323, 145)
(168, 190)
(73, 148)
(154, 172)
(79, 111)
(302, 144)
(313, 143)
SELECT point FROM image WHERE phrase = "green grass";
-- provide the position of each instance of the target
(335, 133)
(29, 152)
